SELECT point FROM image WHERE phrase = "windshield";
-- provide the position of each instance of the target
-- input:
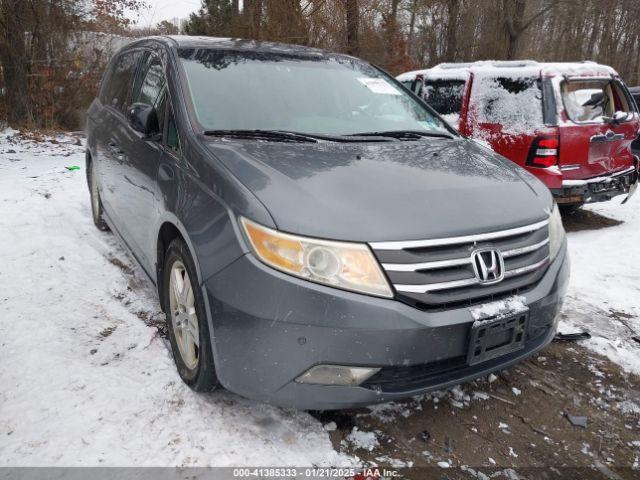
(315, 95)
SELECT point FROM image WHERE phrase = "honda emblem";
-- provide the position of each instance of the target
(488, 265)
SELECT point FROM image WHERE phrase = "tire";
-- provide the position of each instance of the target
(96, 204)
(194, 361)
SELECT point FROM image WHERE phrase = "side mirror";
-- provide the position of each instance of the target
(143, 118)
(619, 117)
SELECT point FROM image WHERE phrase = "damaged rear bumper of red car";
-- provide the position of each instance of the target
(597, 189)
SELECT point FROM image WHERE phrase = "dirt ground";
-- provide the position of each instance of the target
(516, 421)
(586, 220)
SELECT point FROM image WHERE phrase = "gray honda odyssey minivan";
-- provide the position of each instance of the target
(318, 236)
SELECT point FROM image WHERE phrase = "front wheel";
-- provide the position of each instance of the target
(186, 319)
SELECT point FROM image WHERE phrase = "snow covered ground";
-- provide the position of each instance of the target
(604, 293)
(86, 379)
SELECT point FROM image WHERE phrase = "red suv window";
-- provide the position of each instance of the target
(510, 102)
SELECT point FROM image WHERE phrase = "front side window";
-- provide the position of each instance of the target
(118, 85)
(622, 99)
(307, 94)
(151, 83)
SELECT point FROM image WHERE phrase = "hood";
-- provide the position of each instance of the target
(387, 190)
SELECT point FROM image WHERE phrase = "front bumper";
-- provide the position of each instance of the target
(599, 189)
(268, 328)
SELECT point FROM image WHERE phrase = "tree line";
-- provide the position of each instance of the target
(404, 34)
(398, 35)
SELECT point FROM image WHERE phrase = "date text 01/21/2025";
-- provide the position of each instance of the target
(315, 472)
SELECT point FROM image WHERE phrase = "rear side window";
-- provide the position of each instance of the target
(592, 100)
(586, 101)
(515, 103)
(118, 86)
(444, 96)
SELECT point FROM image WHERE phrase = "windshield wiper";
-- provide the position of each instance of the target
(272, 135)
(404, 134)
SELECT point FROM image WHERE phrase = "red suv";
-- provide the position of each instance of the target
(570, 124)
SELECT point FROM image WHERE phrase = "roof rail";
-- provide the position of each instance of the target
(492, 63)
(513, 63)
(453, 65)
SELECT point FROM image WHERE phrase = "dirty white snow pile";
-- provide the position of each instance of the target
(604, 292)
(83, 380)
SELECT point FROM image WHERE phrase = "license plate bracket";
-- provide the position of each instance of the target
(495, 337)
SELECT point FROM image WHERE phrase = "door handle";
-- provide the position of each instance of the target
(607, 137)
(165, 172)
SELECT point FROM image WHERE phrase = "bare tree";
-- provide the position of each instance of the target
(352, 21)
(15, 64)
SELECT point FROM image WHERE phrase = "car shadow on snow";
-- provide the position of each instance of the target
(581, 219)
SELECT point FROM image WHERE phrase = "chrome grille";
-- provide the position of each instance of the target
(437, 272)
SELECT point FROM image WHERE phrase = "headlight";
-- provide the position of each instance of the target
(350, 266)
(556, 232)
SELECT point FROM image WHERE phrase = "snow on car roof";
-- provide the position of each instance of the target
(510, 68)
(407, 76)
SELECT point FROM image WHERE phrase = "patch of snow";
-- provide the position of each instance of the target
(499, 309)
(480, 396)
(394, 462)
(8, 132)
(516, 391)
(444, 464)
(387, 412)
(452, 119)
(474, 473)
(364, 440)
(482, 142)
(458, 393)
(330, 427)
(629, 406)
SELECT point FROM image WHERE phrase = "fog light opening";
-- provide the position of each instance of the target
(337, 375)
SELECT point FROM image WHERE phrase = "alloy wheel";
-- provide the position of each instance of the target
(183, 315)
(95, 196)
